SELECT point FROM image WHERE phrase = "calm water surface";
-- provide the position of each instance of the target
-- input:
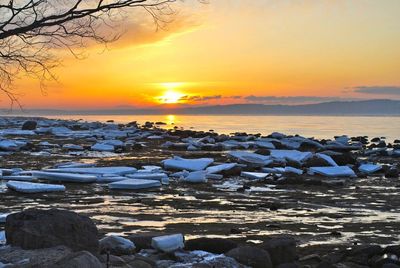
(309, 126)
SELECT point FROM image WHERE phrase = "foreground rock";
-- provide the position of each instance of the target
(79, 260)
(35, 229)
(116, 245)
(251, 256)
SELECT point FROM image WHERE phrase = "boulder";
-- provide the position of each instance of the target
(116, 245)
(251, 256)
(35, 228)
(29, 125)
(281, 248)
(79, 260)
(143, 241)
(344, 158)
(213, 245)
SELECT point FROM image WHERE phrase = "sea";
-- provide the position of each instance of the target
(307, 126)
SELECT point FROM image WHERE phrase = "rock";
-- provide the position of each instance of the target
(282, 249)
(392, 172)
(116, 245)
(213, 245)
(29, 125)
(33, 258)
(79, 260)
(251, 256)
(385, 259)
(288, 265)
(344, 158)
(34, 228)
(140, 264)
(113, 261)
(316, 162)
(369, 250)
(390, 265)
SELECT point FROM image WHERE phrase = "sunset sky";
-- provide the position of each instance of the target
(236, 51)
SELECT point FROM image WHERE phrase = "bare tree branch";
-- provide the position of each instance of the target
(30, 29)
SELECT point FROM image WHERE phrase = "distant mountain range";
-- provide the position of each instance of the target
(368, 107)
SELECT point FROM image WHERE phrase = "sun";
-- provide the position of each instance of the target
(171, 95)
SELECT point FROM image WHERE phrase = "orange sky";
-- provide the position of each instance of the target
(237, 51)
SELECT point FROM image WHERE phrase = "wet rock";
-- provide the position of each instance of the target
(34, 228)
(288, 265)
(251, 256)
(316, 162)
(140, 264)
(379, 261)
(369, 250)
(282, 249)
(78, 260)
(113, 261)
(116, 245)
(213, 245)
(344, 158)
(392, 172)
(29, 125)
(33, 258)
(394, 249)
(390, 265)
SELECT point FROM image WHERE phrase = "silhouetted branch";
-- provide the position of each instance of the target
(29, 29)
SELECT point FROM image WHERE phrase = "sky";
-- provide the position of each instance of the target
(235, 51)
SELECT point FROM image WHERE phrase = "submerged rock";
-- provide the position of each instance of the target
(34, 229)
(79, 260)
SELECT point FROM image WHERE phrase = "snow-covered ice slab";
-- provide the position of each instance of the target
(29, 187)
(132, 184)
(265, 144)
(96, 170)
(109, 179)
(168, 243)
(74, 165)
(187, 164)
(292, 155)
(220, 168)
(3, 217)
(254, 175)
(101, 147)
(327, 158)
(66, 177)
(339, 171)
(148, 176)
(18, 178)
(252, 158)
(369, 168)
(196, 177)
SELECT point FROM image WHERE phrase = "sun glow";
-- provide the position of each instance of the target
(171, 95)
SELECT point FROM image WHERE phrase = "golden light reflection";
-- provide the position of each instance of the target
(171, 119)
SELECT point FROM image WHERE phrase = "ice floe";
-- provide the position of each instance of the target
(29, 187)
(132, 184)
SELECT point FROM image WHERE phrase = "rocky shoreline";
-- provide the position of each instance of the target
(237, 200)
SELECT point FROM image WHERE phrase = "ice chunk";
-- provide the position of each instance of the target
(108, 179)
(3, 217)
(148, 176)
(292, 155)
(254, 175)
(73, 147)
(18, 178)
(251, 158)
(220, 168)
(132, 184)
(187, 164)
(265, 144)
(67, 177)
(102, 147)
(96, 170)
(29, 187)
(339, 171)
(293, 170)
(369, 168)
(73, 165)
(196, 177)
(327, 158)
(168, 243)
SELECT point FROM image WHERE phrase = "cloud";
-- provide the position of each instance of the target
(198, 98)
(378, 90)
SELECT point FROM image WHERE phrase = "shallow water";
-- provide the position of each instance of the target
(309, 126)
